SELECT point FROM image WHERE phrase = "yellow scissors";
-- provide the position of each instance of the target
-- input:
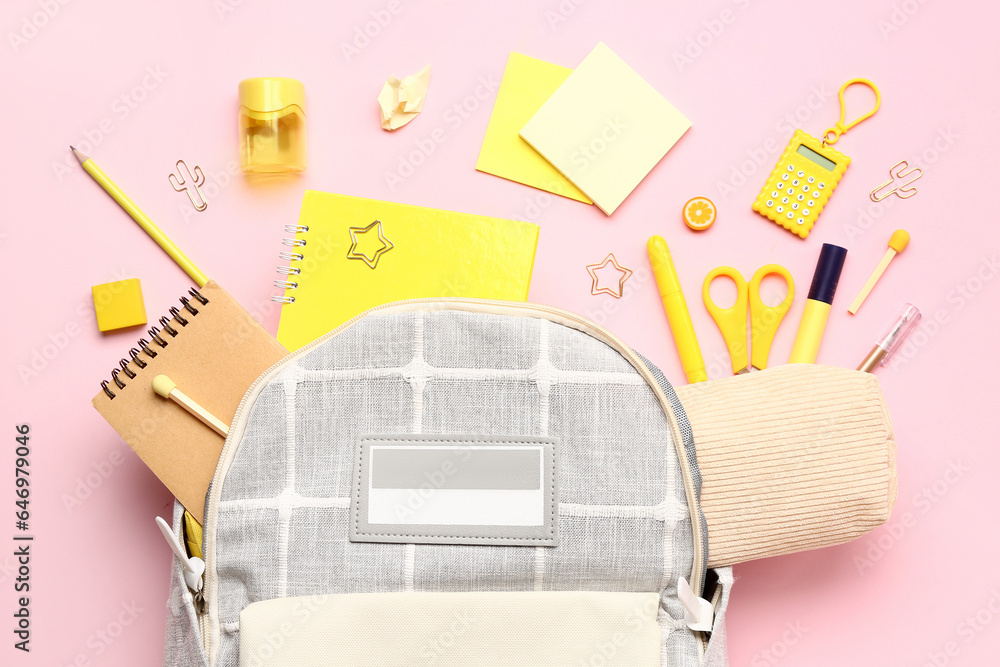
(764, 319)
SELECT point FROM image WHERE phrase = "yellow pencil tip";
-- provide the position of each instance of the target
(80, 157)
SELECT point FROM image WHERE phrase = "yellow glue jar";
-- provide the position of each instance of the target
(272, 125)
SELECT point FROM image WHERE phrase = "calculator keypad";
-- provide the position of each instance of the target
(797, 195)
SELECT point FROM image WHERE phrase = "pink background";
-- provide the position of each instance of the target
(908, 594)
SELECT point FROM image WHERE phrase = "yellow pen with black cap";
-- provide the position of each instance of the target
(821, 291)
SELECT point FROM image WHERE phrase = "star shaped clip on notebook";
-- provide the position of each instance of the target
(368, 244)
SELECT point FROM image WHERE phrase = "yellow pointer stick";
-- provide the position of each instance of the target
(148, 225)
(167, 388)
(677, 311)
(899, 240)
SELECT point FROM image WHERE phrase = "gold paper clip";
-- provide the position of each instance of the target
(359, 237)
(190, 184)
(623, 275)
(902, 190)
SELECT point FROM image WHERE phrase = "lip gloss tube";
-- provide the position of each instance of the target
(891, 339)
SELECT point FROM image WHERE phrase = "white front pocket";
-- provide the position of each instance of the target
(560, 629)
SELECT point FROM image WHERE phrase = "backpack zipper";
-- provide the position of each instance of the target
(498, 307)
(192, 571)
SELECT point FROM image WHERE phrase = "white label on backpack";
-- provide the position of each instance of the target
(455, 490)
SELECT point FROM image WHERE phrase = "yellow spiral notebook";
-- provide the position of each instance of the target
(350, 254)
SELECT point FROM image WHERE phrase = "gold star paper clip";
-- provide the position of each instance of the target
(358, 235)
(623, 275)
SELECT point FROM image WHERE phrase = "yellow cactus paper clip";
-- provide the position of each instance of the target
(807, 173)
(195, 178)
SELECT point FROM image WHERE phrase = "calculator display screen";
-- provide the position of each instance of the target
(813, 156)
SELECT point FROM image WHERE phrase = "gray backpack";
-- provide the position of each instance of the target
(456, 482)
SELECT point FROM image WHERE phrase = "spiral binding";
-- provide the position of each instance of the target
(287, 256)
(147, 347)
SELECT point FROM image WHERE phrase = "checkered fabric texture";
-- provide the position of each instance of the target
(624, 521)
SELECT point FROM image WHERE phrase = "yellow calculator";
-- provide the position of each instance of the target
(801, 183)
(804, 178)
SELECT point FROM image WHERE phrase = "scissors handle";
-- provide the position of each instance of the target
(764, 319)
(732, 321)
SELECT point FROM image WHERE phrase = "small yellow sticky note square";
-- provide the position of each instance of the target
(605, 128)
(119, 304)
(526, 84)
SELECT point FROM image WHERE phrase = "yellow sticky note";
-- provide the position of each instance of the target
(119, 304)
(526, 84)
(605, 128)
(401, 100)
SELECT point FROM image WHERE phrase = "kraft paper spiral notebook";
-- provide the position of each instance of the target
(214, 350)
(350, 254)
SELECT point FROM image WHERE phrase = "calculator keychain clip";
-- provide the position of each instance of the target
(807, 173)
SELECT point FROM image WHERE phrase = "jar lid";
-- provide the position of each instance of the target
(271, 93)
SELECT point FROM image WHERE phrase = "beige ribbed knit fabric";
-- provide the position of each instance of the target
(793, 458)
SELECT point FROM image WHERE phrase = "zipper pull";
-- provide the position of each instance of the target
(699, 614)
(193, 567)
(199, 601)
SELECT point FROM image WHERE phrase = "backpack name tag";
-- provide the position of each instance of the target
(434, 489)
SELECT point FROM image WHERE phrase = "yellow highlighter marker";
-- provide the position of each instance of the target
(821, 291)
(148, 225)
(677, 311)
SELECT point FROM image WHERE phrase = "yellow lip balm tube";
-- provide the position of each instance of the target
(821, 291)
(677, 311)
